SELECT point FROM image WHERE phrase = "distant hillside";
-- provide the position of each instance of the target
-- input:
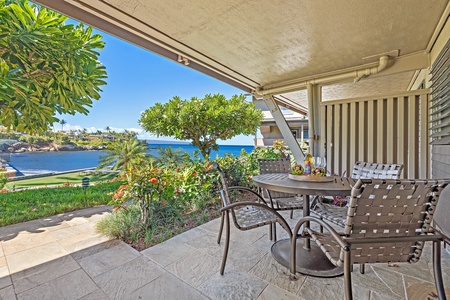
(163, 142)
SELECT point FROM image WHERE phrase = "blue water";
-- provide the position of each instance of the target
(29, 163)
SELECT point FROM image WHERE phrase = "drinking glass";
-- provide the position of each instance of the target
(317, 162)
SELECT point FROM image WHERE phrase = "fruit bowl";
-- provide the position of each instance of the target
(311, 178)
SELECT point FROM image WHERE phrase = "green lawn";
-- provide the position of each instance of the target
(21, 206)
(72, 178)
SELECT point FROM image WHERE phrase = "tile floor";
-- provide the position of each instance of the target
(63, 257)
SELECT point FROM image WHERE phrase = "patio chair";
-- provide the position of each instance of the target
(246, 214)
(388, 221)
(337, 214)
(279, 200)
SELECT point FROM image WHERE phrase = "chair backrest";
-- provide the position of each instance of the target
(275, 165)
(224, 191)
(363, 169)
(384, 208)
(441, 221)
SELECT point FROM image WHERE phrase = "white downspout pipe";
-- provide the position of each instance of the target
(357, 75)
(311, 118)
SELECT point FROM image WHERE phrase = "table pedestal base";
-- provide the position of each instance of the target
(311, 262)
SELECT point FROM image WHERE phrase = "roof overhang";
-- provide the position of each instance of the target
(279, 45)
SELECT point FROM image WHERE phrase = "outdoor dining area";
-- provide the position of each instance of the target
(386, 221)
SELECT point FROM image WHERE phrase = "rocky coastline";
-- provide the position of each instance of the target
(20, 147)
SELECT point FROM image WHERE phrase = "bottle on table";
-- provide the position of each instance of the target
(308, 163)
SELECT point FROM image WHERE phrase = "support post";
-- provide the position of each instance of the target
(284, 128)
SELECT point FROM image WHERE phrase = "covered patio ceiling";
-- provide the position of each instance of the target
(271, 45)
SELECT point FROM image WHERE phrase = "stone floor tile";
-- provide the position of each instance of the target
(386, 283)
(64, 232)
(85, 213)
(95, 295)
(242, 256)
(269, 270)
(211, 226)
(233, 284)
(272, 292)
(95, 249)
(108, 259)
(168, 252)
(2, 254)
(248, 236)
(7, 293)
(82, 241)
(322, 288)
(189, 235)
(121, 281)
(5, 278)
(167, 287)
(418, 290)
(208, 244)
(32, 277)
(419, 270)
(35, 256)
(11, 231)
(53, 223)
(26, 240)
(195, 267)
(74, 285)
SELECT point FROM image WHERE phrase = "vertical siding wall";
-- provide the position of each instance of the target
(387, 129)
(440, 114)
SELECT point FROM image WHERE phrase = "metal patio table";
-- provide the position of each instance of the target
(310, 259)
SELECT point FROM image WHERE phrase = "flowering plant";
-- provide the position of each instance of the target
(146, 187)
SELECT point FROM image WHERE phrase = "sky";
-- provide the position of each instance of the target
(137, 79)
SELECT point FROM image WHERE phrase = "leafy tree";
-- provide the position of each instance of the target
(203, 121)
(125, 156)
(46, 67)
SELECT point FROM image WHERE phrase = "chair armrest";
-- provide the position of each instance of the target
(342, 243)
(277, 216)
(246, 189)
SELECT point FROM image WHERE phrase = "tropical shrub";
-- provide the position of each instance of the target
(3, 180)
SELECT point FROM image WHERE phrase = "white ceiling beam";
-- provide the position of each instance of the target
(284, 129)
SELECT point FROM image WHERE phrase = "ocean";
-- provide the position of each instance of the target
(29, 163)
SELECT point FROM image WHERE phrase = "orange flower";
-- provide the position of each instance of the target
(164, 203)
(194, 174)
(209, 167)
(118, 195)
(153, 180)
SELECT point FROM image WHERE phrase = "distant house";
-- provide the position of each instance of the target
(269, 132)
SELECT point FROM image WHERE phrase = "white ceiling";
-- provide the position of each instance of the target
(256, 44)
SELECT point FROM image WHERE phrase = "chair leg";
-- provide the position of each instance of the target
(362, 268)
(274, 226)
(347, 276)
(438, 271)
(227, 242)
(270, 232)
(221, 228)
(292, 213)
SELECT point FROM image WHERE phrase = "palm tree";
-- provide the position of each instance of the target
(62, 122)
(171, 157)
(125, 156)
